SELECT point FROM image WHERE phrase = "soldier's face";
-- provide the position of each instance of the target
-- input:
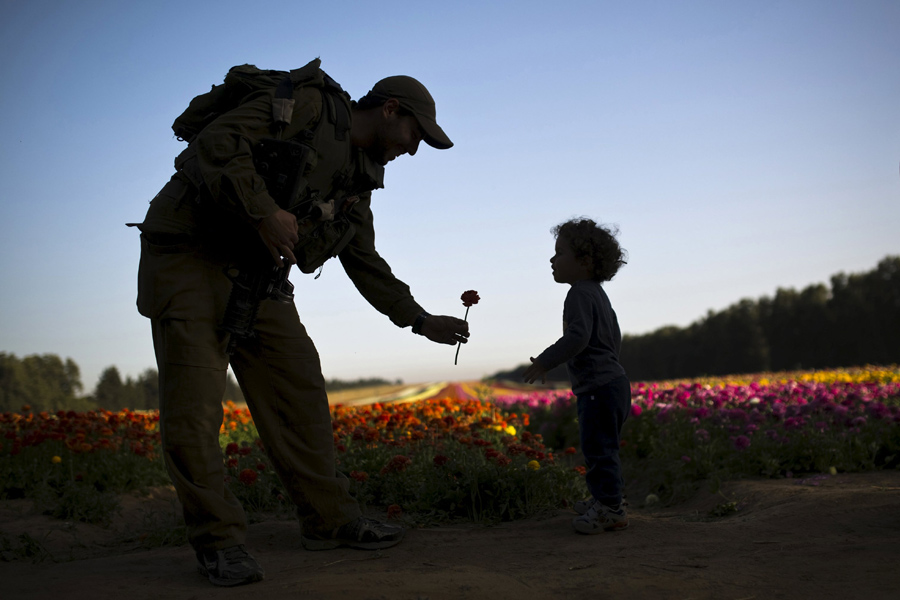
(397, 135)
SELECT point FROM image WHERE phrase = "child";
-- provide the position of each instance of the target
(587, 255)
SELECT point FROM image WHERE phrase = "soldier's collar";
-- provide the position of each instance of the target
(369, 172)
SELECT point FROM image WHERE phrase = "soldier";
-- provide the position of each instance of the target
(216, 214)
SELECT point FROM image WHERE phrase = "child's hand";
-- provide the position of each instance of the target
(534, 371)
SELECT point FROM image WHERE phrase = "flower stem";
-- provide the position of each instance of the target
(459, 344)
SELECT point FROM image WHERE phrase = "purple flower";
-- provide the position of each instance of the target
(741, 442)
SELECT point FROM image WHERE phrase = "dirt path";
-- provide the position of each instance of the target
(827, 537)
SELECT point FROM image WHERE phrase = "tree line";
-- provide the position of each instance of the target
(854, 321)
(47, 382)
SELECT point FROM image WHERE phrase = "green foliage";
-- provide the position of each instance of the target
(456, 481)
(463, 483)
(80, 486)
(23, 547)
(114, 394)
(853, 322)
(45, 382)
(75, 501)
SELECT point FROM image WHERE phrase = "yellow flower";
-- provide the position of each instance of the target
(534, 465)
(56, 460)
(510, 430)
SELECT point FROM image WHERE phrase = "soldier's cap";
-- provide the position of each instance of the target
(413, 96)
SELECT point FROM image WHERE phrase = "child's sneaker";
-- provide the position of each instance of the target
(582, 506)
(599, 518)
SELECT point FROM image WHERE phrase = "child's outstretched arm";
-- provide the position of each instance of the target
(575, 338)
(534, 371)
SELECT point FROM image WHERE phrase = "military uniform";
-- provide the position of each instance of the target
(201, 223)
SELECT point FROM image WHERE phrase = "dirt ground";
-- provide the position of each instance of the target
(821, 537)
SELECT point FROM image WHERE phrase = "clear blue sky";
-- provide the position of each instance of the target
(739, 147)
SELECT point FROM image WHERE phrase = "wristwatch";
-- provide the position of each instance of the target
(420, 320)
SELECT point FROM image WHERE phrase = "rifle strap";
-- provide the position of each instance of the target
(283, 105)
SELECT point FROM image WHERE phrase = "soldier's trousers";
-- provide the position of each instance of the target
(184, 293)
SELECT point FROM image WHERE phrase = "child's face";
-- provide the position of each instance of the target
(566, 267)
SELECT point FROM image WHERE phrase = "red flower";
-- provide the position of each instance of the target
(396, 464)
(571, 450)
(394, 511)
(248, 476)
(360, 476)
(440, 460)
(469, 298)
(232, 448)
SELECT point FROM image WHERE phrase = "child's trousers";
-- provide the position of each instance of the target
(601, 415)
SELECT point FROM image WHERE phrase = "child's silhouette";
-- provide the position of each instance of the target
(586, 256)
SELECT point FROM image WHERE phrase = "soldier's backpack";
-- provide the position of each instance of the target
(280, 163)
(240, 83)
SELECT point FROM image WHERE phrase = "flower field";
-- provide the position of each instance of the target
(486, 459)
(682, 433)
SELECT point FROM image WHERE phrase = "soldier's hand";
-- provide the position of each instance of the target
(279, 234)
(445, 330)
(534, 371)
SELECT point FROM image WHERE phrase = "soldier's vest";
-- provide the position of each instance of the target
(311, 175)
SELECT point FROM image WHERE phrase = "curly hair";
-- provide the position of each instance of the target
(597, 242)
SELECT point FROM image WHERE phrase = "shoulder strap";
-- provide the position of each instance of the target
(282, 106)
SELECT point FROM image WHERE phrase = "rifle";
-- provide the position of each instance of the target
(250, 287)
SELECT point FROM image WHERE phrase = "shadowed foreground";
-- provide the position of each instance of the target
(822, 537)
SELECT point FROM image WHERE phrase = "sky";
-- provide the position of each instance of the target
(738, 147)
